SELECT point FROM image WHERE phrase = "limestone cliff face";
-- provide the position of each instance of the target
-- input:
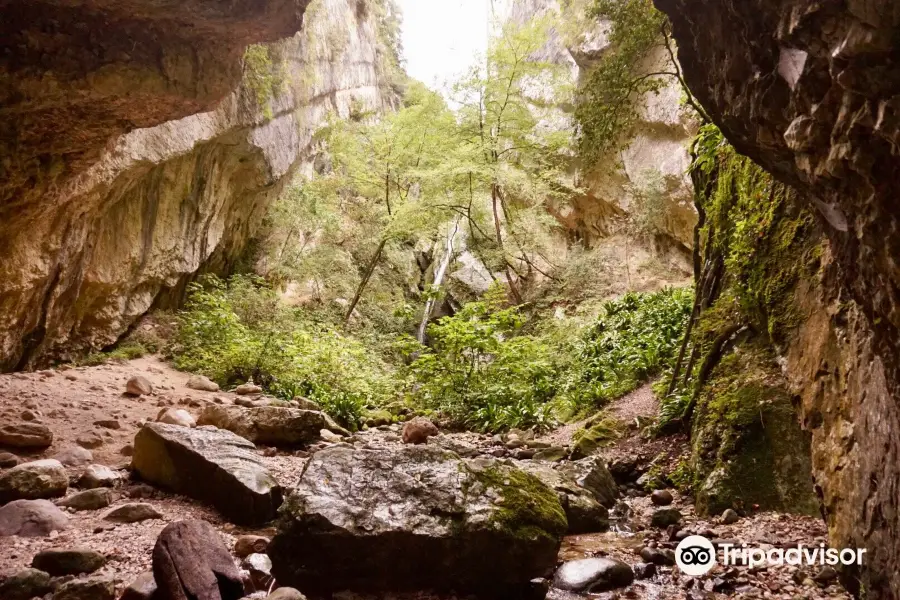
(656, 157)
(92, 237)
(811, 91)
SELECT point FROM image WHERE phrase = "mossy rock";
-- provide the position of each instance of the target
(587, 441)
(747, 445)
(377, 418)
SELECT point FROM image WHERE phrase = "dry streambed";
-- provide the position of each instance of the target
(97, 493)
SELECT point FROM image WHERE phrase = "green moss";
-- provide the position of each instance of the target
(126, 351)
(263, 76)
(747, 445)
(753, 222)
(527, 509)
(590, 438)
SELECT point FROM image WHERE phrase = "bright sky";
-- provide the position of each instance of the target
(442, 37)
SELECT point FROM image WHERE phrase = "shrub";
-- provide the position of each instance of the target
(479, 373)
(634, 338)
(238, 330)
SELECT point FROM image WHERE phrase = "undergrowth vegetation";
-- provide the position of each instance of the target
(238, 331)
(481, 368)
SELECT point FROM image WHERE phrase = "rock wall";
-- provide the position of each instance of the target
(95, 232)
(810, 90)
(656, 157)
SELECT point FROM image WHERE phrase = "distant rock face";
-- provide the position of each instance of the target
(809, 90)
(134, 157)
(657, 155)
(211, 465)
(270, 425)
(415, 517)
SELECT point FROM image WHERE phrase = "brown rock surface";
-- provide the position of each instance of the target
(811, 91)
(190, 562)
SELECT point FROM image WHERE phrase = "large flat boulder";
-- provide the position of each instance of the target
(31, 518)
(25, 435)
(415, 518)
(211, 465)
(269, 425)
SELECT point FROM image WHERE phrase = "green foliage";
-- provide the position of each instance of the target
(635, 338)
(606, 112)
(265, 77)
(480, 373)
(127, 350)
(238, 330)
(758, 232)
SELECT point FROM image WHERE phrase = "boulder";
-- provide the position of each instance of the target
(664, 517)
(25, 585)
(248, 389)
(202, 383)
(96, 588)
(331, 438)
(661, 497)
(190, 562)
(591, 474)
(551, 454)
(97, 476)
(259, 566)
(269, 425)
(72, 561)
(90, 440)
(31, 518)
(132, 513)
(418, 430)
(87, 500)
(306, 403)
(593, 575)
(176, 416)
(34, 480)
(142, 588)
(286, 593)
(138, 386)
(583, 513)
(412, 518)
(25, 435)
(210, 465)
(74, 456)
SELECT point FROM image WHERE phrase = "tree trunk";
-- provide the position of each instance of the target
(370, 268)
(495, 200)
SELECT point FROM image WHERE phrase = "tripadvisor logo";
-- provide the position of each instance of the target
(696, 555)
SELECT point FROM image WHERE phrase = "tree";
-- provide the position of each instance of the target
(512, 146)
(386, 164)
(606, 110)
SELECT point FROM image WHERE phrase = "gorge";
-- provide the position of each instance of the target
(482, 308)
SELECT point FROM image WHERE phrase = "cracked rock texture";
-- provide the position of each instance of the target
(116, 188)
(811, 91)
